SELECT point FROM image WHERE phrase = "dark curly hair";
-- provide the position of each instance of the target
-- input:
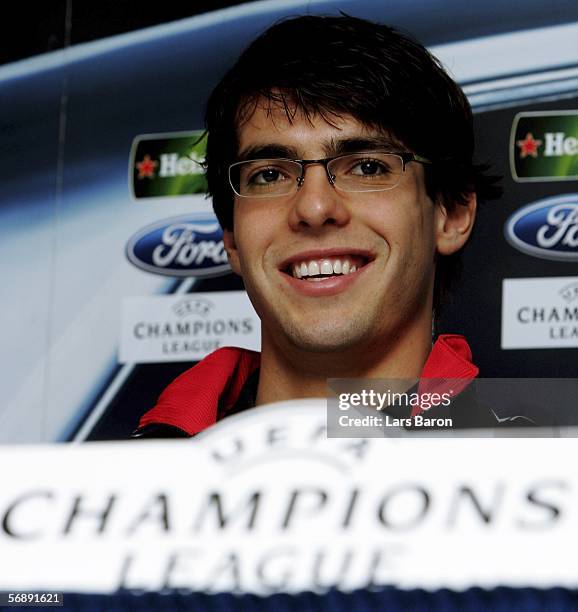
(335, 66)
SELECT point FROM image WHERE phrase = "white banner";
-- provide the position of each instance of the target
(540, 312)
(264, 502)
(186, 327)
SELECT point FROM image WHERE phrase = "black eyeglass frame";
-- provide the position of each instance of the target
(405, 156)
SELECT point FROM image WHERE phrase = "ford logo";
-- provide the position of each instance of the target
(187, 245)
(547, 229)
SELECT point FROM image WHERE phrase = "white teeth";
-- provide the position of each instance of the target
(322, 268)
(313, 268)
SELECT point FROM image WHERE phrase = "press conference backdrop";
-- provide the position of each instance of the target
(113, 271)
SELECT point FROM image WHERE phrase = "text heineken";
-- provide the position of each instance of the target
(173, 165)
(168, 165)
(557, 144)
(544, 146)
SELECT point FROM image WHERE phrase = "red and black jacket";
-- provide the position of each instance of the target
(225, 382)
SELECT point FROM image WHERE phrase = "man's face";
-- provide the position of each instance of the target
(388, 236)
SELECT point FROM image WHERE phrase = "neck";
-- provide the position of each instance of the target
(289, 372)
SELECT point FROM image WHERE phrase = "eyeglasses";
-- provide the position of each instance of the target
(354, 173)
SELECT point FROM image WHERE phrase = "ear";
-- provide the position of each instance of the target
(453, 227)
(232, 252)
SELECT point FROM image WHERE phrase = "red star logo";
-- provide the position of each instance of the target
(146, 168)
(529, 146)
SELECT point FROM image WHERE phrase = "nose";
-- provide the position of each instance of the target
(317, 203)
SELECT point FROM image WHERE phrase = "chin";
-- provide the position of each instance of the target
(327, 339)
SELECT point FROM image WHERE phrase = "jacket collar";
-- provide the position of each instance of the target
(192, 402)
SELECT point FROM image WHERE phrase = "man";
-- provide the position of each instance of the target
(340, 164)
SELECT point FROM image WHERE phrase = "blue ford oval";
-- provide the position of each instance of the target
(547, 229)
(186, 245)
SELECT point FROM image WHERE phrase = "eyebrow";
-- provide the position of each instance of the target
(334, 147)
(363, 143)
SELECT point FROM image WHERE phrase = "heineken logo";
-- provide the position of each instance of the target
(168, 165)
(544, 146)
(556, 144)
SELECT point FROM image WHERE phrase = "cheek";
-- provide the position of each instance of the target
(407, 226)
(254, 231)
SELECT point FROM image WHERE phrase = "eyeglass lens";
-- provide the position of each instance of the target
(357, 172)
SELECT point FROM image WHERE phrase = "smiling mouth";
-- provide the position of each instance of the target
(316, 270)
